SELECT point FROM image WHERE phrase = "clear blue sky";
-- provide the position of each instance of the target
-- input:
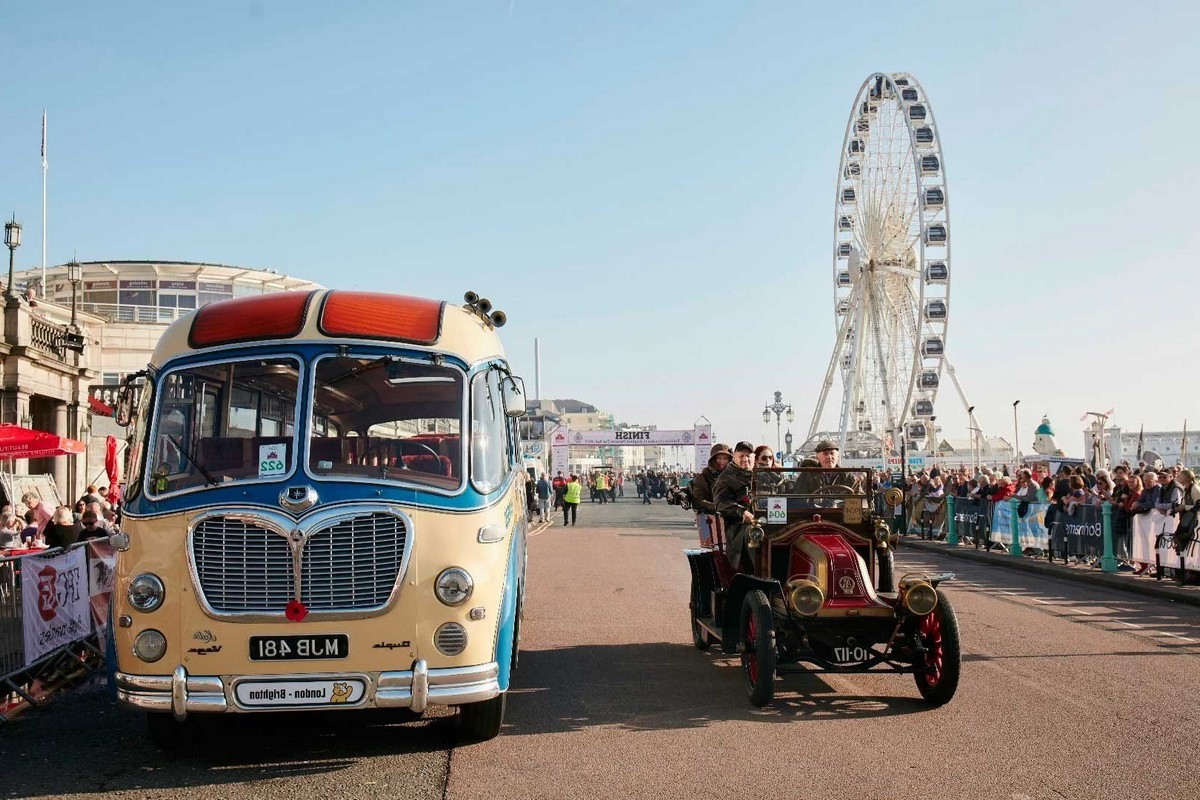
(645, 186)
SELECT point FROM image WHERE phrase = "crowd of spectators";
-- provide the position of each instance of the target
(38, 523)
(1169, 492)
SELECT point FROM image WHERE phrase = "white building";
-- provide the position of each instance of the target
(1166, 446)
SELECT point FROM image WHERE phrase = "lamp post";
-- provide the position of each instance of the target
(74, 275)
(778, 407)
(12, 239)
(1016, 438)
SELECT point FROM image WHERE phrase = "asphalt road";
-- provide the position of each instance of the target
(1067, 691)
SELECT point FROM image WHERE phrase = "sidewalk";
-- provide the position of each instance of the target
(1122, 581)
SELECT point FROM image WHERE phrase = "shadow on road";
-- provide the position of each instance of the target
(661, 685)
(81, 744)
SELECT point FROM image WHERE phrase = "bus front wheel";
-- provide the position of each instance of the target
(481, 721)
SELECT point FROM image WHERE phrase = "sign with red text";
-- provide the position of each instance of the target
(57, 608)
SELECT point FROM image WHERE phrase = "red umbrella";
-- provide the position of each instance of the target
(113, 468)
(18, 442)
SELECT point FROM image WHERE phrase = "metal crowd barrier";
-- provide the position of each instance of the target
(1102, 534)
(24, 683)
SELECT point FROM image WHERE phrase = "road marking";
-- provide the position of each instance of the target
(1081, 611)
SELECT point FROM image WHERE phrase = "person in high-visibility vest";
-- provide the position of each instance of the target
(571, 500)
(602, 487)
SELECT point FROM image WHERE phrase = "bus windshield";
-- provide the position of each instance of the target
(387, 419)
(224, 422)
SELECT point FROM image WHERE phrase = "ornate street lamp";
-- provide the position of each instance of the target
(12, 239)
(778, 407)
(74, 275)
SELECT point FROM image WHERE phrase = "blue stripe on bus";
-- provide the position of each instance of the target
(328, 491)
(508, 613)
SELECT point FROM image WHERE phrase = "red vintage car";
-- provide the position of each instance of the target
(819, 593)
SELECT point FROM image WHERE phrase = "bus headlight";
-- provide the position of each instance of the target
(146, 592)
(150, 645)
(454, 586)
(806, 598)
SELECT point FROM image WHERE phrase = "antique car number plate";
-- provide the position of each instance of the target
(291, 648)
(852, 513)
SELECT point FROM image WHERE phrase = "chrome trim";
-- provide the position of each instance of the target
(179, 693)
(416, 689)
(283, 525)
(420, 686)
(297, 506)
(175, 693)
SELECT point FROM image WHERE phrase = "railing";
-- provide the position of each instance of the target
(46, 336)
(114, 312)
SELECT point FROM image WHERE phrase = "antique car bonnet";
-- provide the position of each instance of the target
(825, 556)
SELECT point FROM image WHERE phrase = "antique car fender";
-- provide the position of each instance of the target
(738, 588)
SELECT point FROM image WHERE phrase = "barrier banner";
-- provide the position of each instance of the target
(102, 563)
(1147, 529)
(932, 516)
(56, 610)
(1080, 531)
(1031, 528)
(972, 518)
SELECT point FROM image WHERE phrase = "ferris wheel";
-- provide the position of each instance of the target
(891, 267)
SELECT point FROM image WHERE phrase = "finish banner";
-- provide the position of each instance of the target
(630, 438)
(57, 609)
(1031, 528)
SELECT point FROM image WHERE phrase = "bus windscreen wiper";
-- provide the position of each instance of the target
(207, 475)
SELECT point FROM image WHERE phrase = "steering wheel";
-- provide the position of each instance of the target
(834, 489)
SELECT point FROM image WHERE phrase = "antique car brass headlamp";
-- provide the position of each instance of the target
(755, 536)
(917, 594)
(806, 597)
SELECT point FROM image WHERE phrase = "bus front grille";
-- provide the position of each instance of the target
(350, 565)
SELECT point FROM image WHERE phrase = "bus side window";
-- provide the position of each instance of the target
(489, 436)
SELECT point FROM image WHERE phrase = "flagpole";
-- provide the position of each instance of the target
(45, 168)
(1183, 446)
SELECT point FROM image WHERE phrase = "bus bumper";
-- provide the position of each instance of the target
(416, 689)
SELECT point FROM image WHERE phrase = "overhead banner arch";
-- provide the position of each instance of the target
(563, 439)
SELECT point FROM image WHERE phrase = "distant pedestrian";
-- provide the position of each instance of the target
(543, 490)
(571, 498)
(644, 490)
(559, 485)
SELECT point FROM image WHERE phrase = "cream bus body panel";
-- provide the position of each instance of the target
(209, 646)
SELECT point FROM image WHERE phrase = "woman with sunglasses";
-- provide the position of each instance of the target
(764, 458)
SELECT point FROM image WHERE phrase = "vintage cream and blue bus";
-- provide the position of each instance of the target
(325, 509)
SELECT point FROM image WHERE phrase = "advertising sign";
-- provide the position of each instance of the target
(57, 608)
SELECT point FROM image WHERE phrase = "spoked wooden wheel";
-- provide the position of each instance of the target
(758, 648)
(938, 631)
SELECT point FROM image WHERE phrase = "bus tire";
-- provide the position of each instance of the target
(479, 722)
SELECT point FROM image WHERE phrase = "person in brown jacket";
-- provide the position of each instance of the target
(701, 490)
(731, 494)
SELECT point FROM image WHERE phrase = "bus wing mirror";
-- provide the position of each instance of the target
(512, 389)
(126, 399)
